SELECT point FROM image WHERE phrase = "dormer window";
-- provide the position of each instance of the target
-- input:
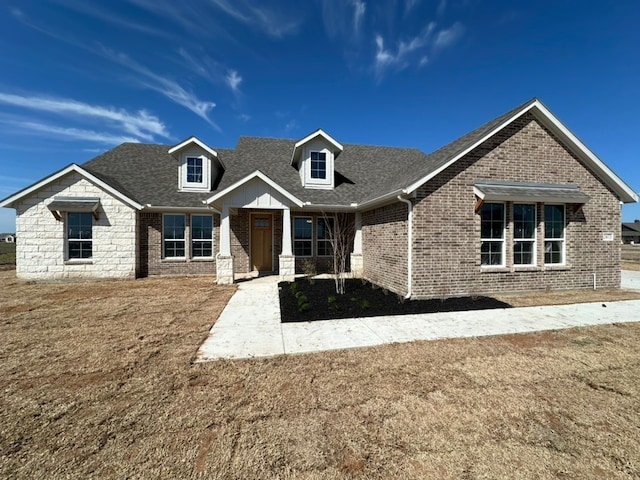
(314, 157)
(198, 165)
(319, 165)
(194, 170)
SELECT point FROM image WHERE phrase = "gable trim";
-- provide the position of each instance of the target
(318, 133)
(257, 174)
(537, 108)
(195, 141)
(7, 202)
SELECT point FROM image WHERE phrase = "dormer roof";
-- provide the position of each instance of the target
(190, 142)
(336, 147)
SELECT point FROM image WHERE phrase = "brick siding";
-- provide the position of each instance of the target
(446, 230)
(384, 246)
(151, 262)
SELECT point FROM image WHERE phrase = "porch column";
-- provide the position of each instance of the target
(224, 259)
(357, 262)
(287, 262)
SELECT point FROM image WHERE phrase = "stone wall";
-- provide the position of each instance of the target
(41, 239)
(446, 230)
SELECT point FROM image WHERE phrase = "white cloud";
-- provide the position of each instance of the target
(167, 87)
(359, 9)
(273, 23)
(75, 133)
(448, 36)
(410, 4)
(233, 80)
(244, 117)
(442, 6)
(290, 126)
(141, 124)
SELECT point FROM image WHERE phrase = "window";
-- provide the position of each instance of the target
(79, 235)
(201, 236)
(524, 234)
(173, 236)
(194, 170)
(302, 236)
(554, 234)
(492, 234)
(319, 165)
(324, 236)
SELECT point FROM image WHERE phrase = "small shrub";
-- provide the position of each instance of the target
(364, 304)
(309, 269)
(302, 298)
(333, 303)
(293, 286)
(304, 307)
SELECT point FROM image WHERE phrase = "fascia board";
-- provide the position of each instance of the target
(61, 173)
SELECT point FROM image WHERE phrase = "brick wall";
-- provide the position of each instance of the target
(446, 231)
(41, 249)
(150, 249)
(384, 246)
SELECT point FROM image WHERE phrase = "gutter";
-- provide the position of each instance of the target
(409, 244)
(155, 208)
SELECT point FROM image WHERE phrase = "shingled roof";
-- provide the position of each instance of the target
(148, 174)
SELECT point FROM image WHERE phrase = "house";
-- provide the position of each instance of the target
(517, 204)
(7, 237)
(631, 232)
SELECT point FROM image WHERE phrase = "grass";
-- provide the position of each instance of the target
(96, 382)
(7, 253)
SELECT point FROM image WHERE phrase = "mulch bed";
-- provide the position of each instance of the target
(305, 300)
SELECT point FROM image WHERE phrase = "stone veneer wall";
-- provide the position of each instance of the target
(446, 233)
(384, 246)
(41, 249)
(150, 249)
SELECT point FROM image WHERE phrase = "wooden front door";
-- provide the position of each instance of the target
(261, 242)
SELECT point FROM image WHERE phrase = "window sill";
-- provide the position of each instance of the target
(202, 259)
(78, 262)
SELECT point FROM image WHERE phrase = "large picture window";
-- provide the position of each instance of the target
(201, 236)
(524, 234)
(173, 236)
(324, 236)
(79, 235)
(554, 223)
(319, 165)
(302, 236)
(492, 234)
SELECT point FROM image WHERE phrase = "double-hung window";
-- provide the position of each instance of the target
(173, 236)
(554, 228)
(492, 223)
(79, 235)
(201, 236)
(194, 170)
(302, 236)
(524, 234)
(324, 236)
(319, 165)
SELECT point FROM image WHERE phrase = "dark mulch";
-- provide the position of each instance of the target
(362, 299)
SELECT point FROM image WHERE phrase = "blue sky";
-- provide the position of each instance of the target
(79, 76)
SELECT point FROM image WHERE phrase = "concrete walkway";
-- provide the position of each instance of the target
(250, 327)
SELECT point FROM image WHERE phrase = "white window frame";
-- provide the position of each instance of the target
(329, 240)
(183, 239)
(559, 239)
(185, 184)
(305, 171)
(203, 240)
(531, 240)
(503, 240)
(310, 240)
(318, 153)
(70, 239)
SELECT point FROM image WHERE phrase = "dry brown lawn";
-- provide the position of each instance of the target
(97, 382)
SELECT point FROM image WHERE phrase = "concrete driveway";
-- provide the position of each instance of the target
(250, 327)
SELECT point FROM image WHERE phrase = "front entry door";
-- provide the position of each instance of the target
(261, 242)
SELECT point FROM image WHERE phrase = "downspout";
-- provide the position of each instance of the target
(409, 244)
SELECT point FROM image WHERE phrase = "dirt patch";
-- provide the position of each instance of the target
(305, 300)
(97, 382)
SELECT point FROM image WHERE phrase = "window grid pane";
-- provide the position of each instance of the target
(319, 165)
(524, 234)
(194, 170)
(492, 234)
(554, 228)
(302, 236)
(79, 235)
(201, 235)
(174, 236)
